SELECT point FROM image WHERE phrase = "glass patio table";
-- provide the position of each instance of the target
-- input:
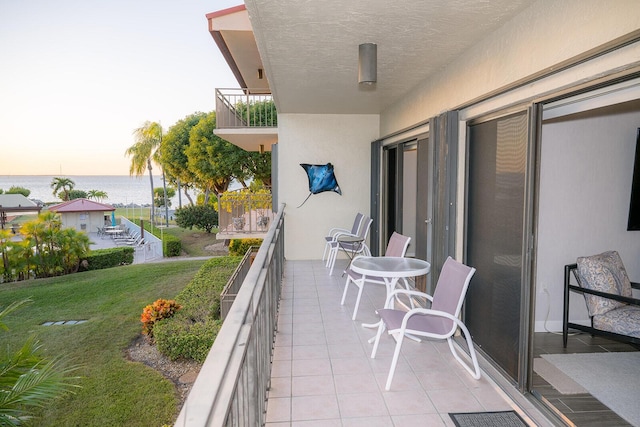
(390, 269)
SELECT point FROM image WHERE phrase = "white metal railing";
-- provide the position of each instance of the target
(242, 108)
(152, 246)
(231, 388)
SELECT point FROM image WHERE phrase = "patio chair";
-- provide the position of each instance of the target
(397, 247)
(335, 232)
(441, 321)
(352, 249)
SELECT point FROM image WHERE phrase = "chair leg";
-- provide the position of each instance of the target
(394, 361)
(344, 293)
(381, 328)
(360, 286)
(324, 254)
(332, 260)
(330, 256)
(475, 372)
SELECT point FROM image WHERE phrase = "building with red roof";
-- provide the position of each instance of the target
(84, 214)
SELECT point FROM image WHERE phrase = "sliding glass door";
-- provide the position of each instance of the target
(497, 200)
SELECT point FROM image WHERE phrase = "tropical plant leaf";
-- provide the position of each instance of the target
(28, 380)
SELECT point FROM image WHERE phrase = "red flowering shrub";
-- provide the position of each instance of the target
(160, 309)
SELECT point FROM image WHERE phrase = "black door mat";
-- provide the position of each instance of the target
(488, 419)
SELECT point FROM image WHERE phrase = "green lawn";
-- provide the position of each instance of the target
(114, 391)
(194, 241)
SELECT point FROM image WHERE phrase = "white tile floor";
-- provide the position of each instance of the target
(322, 373)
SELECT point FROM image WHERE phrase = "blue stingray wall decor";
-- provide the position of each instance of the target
(321, 178)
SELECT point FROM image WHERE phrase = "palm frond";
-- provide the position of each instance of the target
(11, 308)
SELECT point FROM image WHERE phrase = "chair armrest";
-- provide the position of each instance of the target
(407, 292)
(580, 289)
(338, 230)
(342, 233)
(615, 297)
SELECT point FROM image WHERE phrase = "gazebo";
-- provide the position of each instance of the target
(83, 214)
(13, 204)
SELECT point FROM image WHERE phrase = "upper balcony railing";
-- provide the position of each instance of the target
(244, 212)
(240, 108)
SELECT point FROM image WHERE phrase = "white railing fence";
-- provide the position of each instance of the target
(152, 246)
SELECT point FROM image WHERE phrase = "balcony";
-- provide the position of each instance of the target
(246, 118)
(241, 108)
(289, 353)
(243, 214)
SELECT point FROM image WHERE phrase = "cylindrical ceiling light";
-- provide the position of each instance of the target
(367, 63)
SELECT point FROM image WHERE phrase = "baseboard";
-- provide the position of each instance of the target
(553, 325)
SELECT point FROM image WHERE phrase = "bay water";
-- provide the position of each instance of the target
(121, 189)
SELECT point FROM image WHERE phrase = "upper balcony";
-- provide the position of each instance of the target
(244, 214)
(246, 118)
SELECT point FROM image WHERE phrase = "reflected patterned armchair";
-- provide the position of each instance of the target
(607, 290)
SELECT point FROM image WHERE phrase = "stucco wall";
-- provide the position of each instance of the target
(585, 185)
(542, 36)
(91, 220)
(344, 141)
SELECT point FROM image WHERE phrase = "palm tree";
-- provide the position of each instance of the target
(72, 245)
(64, 184)
(148, 140)
(5, 251)
(98, 195)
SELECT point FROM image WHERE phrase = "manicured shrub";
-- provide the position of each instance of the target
(185, 339)
(239, 247)
(191, 331)
(107, 258)
(160, 309)
(172, 246)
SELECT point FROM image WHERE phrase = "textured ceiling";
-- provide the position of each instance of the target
(310, 47)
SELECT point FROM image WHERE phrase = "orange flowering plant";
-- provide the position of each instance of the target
(160, 309)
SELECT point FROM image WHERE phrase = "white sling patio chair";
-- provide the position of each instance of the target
(336, 231)
(441, 321)
(352, 249)
(397, 247)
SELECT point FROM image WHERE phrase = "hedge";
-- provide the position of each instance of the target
(107, 258)
(172, 245)
(191, 332)
(239, 247)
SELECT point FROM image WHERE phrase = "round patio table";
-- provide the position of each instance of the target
(391, 269)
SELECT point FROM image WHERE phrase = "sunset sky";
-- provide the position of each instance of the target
(78, 76)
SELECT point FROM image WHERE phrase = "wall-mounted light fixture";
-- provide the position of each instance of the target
(367, 63)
